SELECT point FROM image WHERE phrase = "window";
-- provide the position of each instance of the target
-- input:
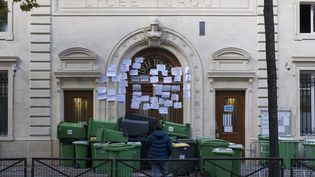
(7, 71)
(307, 20)
(3, 22)
(3, 103)
(307, 102)
(6, 25)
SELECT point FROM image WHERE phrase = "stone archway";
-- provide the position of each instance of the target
(179, 46)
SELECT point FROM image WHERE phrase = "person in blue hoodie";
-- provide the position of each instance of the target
(160, 148)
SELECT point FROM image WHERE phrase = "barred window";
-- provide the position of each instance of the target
(307, 20)
(3, 22)
(3, 103)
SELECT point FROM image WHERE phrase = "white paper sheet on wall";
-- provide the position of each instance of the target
(186, 94)
(136, 87)
(133, 72)
(111, 70)
(135, 105)
(166, 88)
(154, 72)
(175, 88)
(177, 78)
(154, 105)
(167, 79)
(168, 103)
(177, 105)
(101, 96)
(122, 90)
(187, 70)
(163, 110)
(154, 99)
(101, 89)
(121, 98)
(175, 97)
(104, 79)
(154, 79)
(111, 92)
(136, 66)
(146, 106)
(139, 59)
(144, 78)
(126, 61)
(160, 67)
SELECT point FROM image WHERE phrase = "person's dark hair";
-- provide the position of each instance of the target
(158, 127)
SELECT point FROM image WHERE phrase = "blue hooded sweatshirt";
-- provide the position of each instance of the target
(160, 145)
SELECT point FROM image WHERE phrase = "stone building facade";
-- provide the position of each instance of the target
(65, 46)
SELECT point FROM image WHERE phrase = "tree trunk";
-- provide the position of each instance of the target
(274, 170)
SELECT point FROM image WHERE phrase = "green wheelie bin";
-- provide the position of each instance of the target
(175, 129)
(238, 152)
(309, 151)
(136, 154)
(220, 168)
(288, 149)
(68, 130)
(205, 147)
(66, 150)
(94, 125)
(98, 152)
(81, 152)
(113, 151)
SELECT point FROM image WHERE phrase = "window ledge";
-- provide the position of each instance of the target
(6, 138)
(301, 37)
(6, 36)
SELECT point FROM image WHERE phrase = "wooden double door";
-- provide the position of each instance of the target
(230, 116)
(78, 105)
(153, 57)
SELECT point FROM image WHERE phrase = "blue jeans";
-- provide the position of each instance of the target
(159, 169)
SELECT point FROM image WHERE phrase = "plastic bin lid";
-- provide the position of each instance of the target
(213, 142)
(222, 150)
(100, 145)
(236, 146)
(309, 141)
(81, 142)
(118, 147)
(136, 144)
(287, 139)
(178, 145)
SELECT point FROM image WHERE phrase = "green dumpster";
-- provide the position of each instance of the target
(66, 150)
(205, 147)
(94, 125)
(238, 152)
(136, 154)
(288, 149)
(81, 152)
(114, 136)
(113, 151)
(98, 152)
(309, 151)
(174, 129)
(67, 130)
(220, 168)
(264, 148)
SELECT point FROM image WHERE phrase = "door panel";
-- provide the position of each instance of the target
(230, 116)
(78, 105)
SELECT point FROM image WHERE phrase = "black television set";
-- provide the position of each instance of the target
(152, 121)
(133, 128)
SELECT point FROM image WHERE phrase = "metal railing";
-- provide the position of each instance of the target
(214, 167)
(70, 167)
(302, 168)
(240, 167)
(13, 167)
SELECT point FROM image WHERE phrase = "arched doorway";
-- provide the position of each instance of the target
(152, 58)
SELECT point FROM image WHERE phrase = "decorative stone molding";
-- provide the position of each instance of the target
(177, 44)
(230, 58)
(74, 60)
